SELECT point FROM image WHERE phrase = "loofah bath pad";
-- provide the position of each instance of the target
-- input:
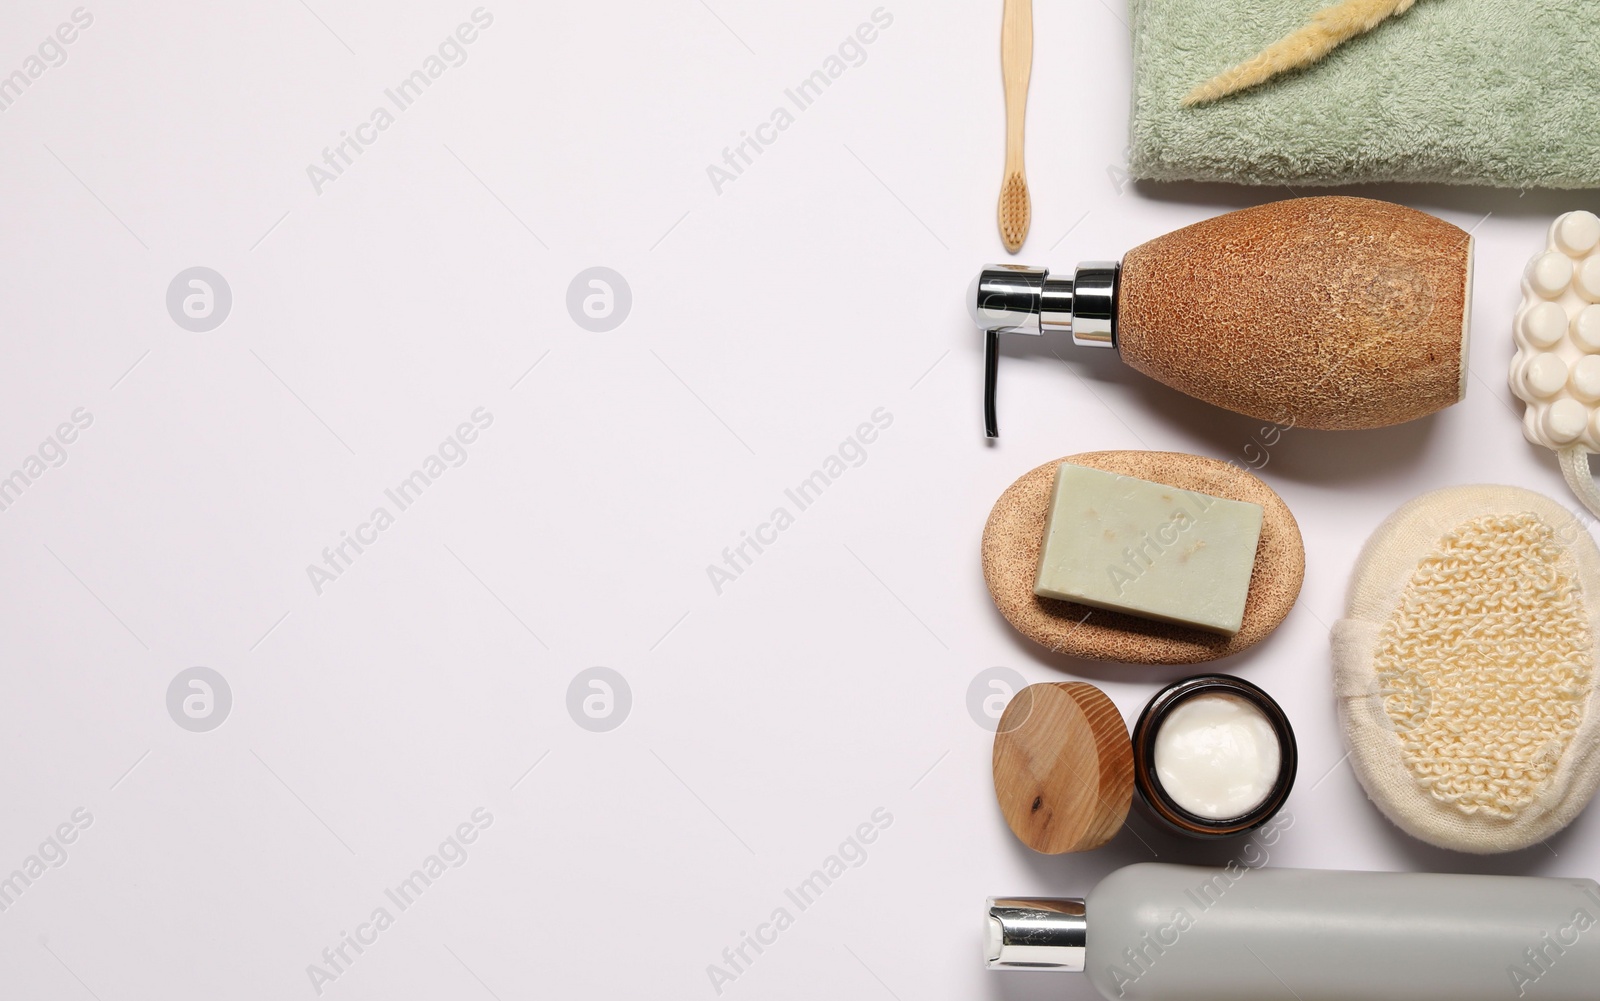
(1465, 669)
(1014, 535)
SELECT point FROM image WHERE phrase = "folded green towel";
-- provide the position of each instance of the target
(1501, 92)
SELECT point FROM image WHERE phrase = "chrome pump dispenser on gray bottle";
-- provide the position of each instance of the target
(1157, 932)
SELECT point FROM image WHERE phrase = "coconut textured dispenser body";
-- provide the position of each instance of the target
(1329, 312)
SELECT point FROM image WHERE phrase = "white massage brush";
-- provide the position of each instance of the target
(1556, 370)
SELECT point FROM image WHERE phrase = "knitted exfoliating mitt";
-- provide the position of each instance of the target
(1464, 671)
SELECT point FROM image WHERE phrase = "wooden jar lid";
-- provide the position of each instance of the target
(1014, 535)
(1063, 767)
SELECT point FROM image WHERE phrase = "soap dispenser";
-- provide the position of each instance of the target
(1328, 312)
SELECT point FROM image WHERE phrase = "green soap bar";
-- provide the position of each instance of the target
(1147, 549)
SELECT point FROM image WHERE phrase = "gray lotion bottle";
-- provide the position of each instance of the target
(1155, 932)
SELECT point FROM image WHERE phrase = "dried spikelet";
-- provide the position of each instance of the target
(1329, 28)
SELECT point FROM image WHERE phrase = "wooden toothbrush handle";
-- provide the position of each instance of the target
(1016, 64)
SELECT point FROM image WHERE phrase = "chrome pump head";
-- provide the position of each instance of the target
(1015, 299)
(1035, 933)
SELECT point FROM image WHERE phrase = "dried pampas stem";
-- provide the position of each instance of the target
(1329, 28)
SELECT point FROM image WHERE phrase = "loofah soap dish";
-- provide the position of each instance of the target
(1465, 669)
(1013, 538)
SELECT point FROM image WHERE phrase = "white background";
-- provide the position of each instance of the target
(768, 321)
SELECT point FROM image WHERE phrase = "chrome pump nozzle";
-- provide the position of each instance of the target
(1035, 933)
(1016, 299)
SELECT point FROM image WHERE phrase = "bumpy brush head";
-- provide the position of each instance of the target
(1556, 370)
(1015, 211)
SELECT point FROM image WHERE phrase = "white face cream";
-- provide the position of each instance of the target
(1216, 756)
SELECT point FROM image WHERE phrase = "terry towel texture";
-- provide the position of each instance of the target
(1500, 92)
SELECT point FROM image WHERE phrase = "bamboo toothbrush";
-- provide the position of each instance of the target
(1016, 62)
